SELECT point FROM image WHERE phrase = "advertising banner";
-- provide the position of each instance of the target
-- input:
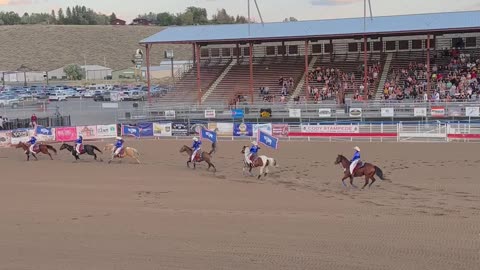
(222, 129)
(454, 111)
(45, 134)
(179, 129)
(387, 112)
(196, 128)
(330, 129)
(295, 113)
(163, 129)
(324, 113)
(106, 131)
(21, 135)
(267, 128)
(170, 114)
(420, 112)
(280, 130)
(238, 114)
(243, 129)
(356, 112)
(65, 134)
(472, 111)
(437, 111)
(209, 114)
(130, 131)
(145, 129)
(4, 139)
(87, 132)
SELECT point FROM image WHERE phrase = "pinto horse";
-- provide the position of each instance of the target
(263, 162)
(201, 156)
(368, 170)
(87, 149)
(41, 148)
(126, 152)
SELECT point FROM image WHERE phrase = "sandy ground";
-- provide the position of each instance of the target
(161, 215)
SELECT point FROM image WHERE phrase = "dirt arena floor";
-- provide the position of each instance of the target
(160, 215)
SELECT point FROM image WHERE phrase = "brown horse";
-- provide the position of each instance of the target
(201, 156)
(126, 152)
(41, 148)
(368, 170)
(262, 162)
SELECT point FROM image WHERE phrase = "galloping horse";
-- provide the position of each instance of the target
(201, 156)
(368, 170)
(41, 148)
(87, 149)
(261, 161)
(126, 152)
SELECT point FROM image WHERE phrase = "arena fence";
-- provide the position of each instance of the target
(373, 132)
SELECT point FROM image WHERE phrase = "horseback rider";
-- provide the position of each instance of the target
(118, 147)
(78, 144)
(197, 145)
(355, 160)
(32, 142)
(253, 152)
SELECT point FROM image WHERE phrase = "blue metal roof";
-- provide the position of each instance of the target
(402, 24)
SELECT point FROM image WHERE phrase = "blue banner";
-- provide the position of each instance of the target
(130, 131)
(243, 129)
(44, 131)
(145, 129)
(267, 140)
(238, 114)
(209, 135)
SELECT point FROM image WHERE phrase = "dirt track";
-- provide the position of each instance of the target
(160, 215)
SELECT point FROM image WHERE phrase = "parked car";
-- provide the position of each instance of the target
(57, 97)
(102, 96)
(136, 95)
(9, 101)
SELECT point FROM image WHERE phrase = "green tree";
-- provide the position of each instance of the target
(113, 17)
(165, 19)
(199, 15)
(74, 72)
(241, 19)
(222, 17)
(68, 16)
(53, 17)
(61, 17)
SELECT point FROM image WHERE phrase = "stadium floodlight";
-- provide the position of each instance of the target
(249, 17)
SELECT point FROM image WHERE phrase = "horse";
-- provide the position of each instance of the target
(41, 148)
(126, 152)
(263, 162)
(368, 170)
(87, 149)
(201, 156)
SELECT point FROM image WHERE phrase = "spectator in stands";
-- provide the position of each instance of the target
(33, 120)
(291, 83)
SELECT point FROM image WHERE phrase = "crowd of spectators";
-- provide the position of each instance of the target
(454, 80)
(286, 86)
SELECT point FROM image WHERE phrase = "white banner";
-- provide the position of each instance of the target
(222, 129)
(472, 111)
(420, 112)
(388, 112)
(324, 113)
(295, 113)
(267, 128)
(162, 129)
(170, 114)
(87, 132)
(4, 139)
(330, 128)
(21, 135)
(106, 131)
(355, 112)
(210, 114)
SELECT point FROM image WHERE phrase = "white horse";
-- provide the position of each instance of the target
(263, 162)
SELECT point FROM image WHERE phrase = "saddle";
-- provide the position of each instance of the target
(36, 148)
(198, 156)
(82, 150)
(360, 165)
(253, 158)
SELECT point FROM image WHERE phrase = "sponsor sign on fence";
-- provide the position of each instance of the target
(420, 112)
(387, 112)
(437, 111)
(4, 139)
(145, 129)
(20, 135)
(170, 114)
(356, 112)
(238, 114)
(243, 129)
(267, 128)
(106, 131)
(295, 113)
(163, 129)
(324, 113)
(330, 128)
(472, 111)
(65, 134)
(87, 132)
(209, 114)
(179, 129)
(280, 130)
(45, 134)
(130, 131)
(222, 129)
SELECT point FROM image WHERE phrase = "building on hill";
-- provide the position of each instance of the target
(118, 22)
(140, 21)
(93, 72)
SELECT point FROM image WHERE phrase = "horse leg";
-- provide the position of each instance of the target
(366, 181)
(51, 158)
(250, 171)
(28, 157)
(35, 156)
(261, 172)
(373, 181)
(343, 180)
(351, 182)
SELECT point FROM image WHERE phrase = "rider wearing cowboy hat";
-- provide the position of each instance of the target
(118, 147)
(197, 145)
(355, 159)
(253, 151)
(78, 144)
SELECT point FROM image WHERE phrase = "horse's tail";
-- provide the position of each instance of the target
(214, 149)
(96, 148)
(51, 148)
(379, 173)
(275, 164)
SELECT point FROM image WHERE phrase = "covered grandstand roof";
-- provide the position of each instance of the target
(334, 28)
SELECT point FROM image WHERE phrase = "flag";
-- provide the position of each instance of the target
(130, 131)
(209, 135)
(267, 139)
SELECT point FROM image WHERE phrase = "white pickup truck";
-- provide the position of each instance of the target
(57, 97)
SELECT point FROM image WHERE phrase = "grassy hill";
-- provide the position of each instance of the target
(47, 47)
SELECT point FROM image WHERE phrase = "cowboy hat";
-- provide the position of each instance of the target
(357, 148)
(119, 138)
(255, 143)
(195, 139)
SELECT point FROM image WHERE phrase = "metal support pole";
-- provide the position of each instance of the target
(199, 82)
(173, 72)
(365, 68)
(428, 65)
(238, 54)
(251, 72)
(306, 71)
(147, 51)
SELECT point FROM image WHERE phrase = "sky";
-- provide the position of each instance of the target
(272, 10)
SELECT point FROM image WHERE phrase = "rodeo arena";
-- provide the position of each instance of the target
(245, 162)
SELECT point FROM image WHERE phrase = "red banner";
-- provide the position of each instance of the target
(65, 134)
(365, 135)
(438, 111)
(280, 130)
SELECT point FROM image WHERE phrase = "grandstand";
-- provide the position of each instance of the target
(234, 64)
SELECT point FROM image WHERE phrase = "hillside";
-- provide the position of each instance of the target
(47, 47)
